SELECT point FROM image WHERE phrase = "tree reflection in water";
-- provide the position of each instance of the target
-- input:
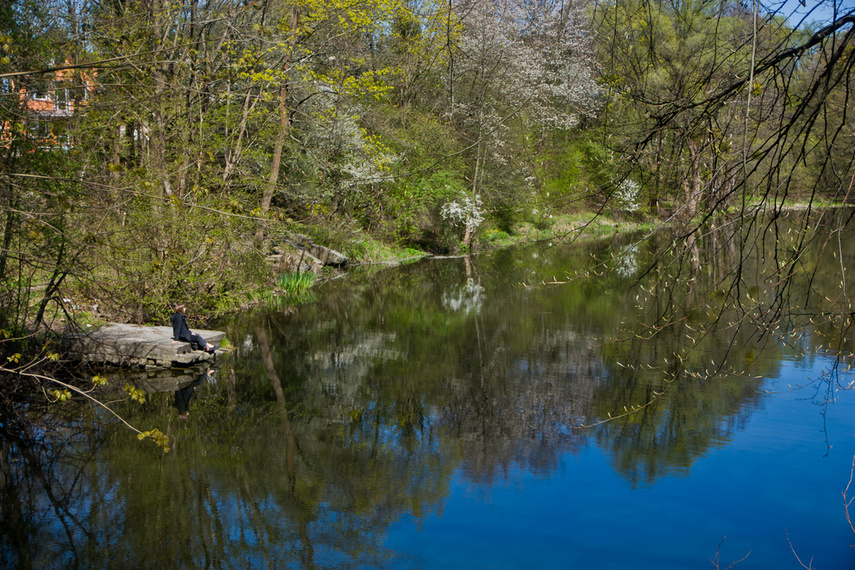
(337, 419)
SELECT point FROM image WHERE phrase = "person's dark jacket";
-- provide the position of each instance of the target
(180, 330)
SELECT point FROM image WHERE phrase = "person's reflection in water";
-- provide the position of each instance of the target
(183, 395)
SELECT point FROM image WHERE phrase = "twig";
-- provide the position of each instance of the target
(846, 500)
(73, 389)
(810, 562)
(715, 561)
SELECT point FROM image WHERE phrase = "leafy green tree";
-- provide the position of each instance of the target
(661, 61)
(40, 244)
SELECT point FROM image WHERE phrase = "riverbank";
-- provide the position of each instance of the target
(270, 285)
(582, 225)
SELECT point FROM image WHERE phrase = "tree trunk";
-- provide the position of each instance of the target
(284, 123)
(267, 197)
(233, 156)
(8, 228)
(692, 182)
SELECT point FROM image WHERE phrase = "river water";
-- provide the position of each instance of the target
(550, 406)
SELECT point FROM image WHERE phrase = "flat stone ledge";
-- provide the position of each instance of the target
(138, 346)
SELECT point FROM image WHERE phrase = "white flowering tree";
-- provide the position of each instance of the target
(626, 195)
(352, 161)
(468, 212)
(522, 67)
(534, 55)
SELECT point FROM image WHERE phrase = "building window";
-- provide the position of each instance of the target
(41, 91)
(60, 97)
(60, 135)
(42, 130)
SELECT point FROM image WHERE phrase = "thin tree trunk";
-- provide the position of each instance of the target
(267, 197)
(692, 182)
(234, 156)
(8, 230)
(284, 123)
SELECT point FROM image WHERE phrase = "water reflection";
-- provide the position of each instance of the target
(54, 504)
(184, 394)
(333, 422)
(512, 386)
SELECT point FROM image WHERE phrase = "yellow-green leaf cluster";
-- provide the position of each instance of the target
(61, 395)
(7, 49)
(158, 437)
(135, 394)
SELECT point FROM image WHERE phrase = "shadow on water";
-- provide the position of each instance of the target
(333, 421)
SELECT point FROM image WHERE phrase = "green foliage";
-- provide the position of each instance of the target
(171, 254)
(296, 283)
(574, 170)
(406, 211)
(296, 288)
(371, 250)
(413, 208)
(61, 395)
(494, 236)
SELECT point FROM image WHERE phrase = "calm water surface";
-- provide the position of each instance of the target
(492, 412)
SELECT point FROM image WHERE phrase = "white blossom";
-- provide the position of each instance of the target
(467, 211)
(537, 54)
(336, 130)
(466, 299)
(626, 261)
(626, 195)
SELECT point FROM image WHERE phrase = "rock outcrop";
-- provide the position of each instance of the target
(138, 346)
(300, 253)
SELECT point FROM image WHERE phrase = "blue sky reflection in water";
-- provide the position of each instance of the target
(775, 488)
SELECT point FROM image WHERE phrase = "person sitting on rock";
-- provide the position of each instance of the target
(181, 332)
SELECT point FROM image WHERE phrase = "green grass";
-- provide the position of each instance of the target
(372, 251)
(296, 283)
(290, 289)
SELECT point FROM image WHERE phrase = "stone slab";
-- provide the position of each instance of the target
(118, 344)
